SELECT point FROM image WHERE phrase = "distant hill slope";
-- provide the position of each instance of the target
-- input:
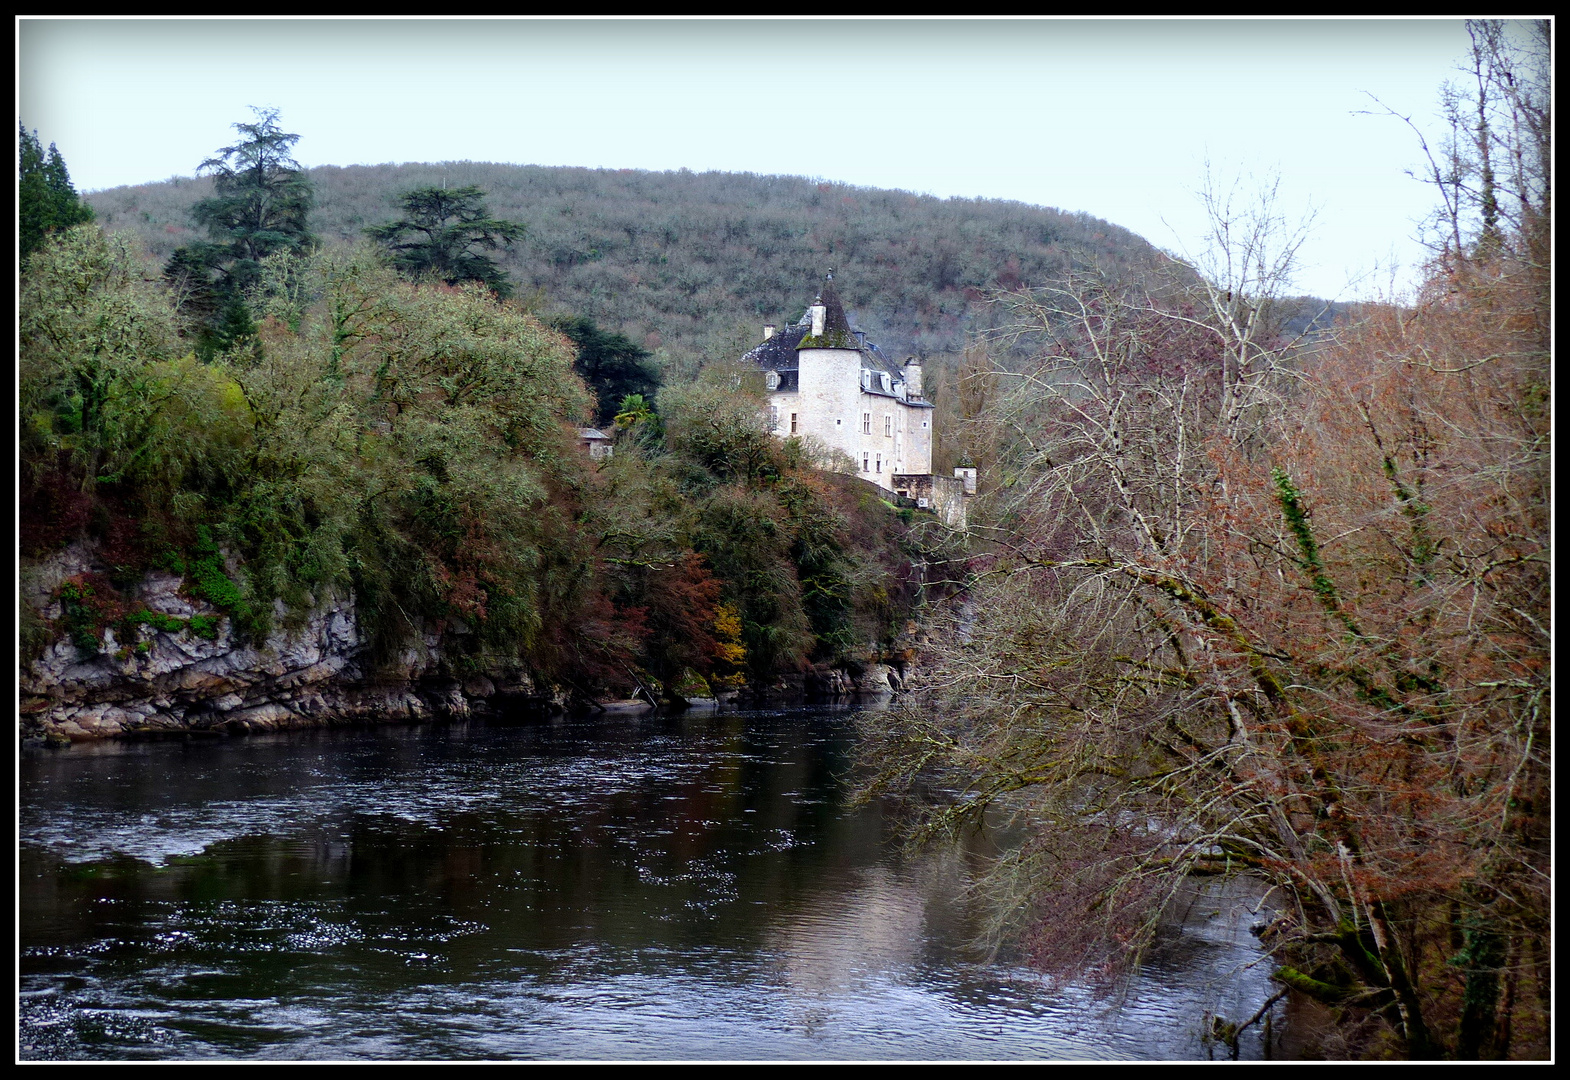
(682, 260)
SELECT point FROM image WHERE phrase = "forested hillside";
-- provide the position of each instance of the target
(686, 261)
(291, 412)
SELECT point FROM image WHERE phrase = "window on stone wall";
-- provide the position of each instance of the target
(880, 463)
(866, 423)
(888, 427)
(793, 423)
(774, 418)
(865, 462)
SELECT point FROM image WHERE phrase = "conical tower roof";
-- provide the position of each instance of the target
(836, 327)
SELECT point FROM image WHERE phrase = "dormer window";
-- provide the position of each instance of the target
(772, 380)
(883, 381)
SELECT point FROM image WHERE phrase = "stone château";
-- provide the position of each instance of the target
(826, 381)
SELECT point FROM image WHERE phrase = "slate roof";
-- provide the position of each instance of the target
(837, 333)
(778, 353)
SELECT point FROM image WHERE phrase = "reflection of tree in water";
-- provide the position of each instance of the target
(444, 889)
(869, 925)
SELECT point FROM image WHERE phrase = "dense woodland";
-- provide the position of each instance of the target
(685, 261)
(304, 406)
(1243, 596)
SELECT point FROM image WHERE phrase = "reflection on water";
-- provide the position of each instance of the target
(614, 888)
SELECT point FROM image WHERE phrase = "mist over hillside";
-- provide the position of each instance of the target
(690, 263)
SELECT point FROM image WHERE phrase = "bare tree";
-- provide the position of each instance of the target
(1267, 608)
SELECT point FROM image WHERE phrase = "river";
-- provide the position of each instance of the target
(615, 887)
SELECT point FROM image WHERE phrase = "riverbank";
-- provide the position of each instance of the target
(182, 669)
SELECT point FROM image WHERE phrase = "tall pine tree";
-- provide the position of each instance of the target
(260, 206)
(46, 201)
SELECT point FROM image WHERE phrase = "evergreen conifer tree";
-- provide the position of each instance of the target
(260, 206)
(610, 363)
(46, 201)
(444, 235)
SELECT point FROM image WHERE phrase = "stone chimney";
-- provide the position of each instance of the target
(912, 377)
(768, 331)
(817, 311)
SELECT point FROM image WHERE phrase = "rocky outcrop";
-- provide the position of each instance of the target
(307, 672)
(165, 676)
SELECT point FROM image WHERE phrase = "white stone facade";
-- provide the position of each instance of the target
(826, 382)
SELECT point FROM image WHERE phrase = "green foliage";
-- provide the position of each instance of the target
(823, 565)
(260, 207)
(94, 342)
(204, 626)
(720, 427)
(81, 614)
(89, 604)
(444, 234)
(46, 201)
(208, 579)
(169, 624)
(613, 367)
(633, 410)
(1296, 517)
(262, 198)
(667, 257)
(813, 569)
(741, 534)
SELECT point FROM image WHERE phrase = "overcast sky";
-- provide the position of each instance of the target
(1114, 118)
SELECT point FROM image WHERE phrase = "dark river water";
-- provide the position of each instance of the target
(651, 887)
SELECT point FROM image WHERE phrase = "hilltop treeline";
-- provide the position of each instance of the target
(677, 261)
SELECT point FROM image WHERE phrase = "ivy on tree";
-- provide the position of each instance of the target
(444, 235)
(260, 206)
(46, 201)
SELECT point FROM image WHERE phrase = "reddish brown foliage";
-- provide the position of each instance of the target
(680, 602)
(54, 509)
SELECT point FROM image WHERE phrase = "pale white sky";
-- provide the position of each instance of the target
(1112, 117)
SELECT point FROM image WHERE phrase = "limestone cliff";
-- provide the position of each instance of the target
(162, 675)
(307, 672)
